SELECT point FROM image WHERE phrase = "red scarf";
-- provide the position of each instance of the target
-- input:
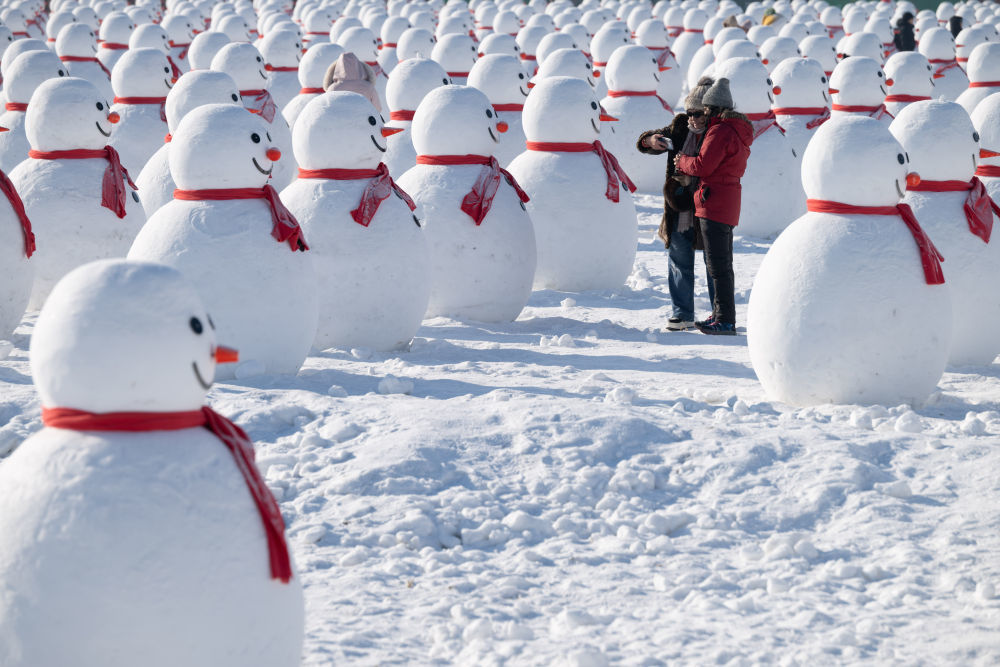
(458, 74)
(525, 56)
(906, 98)
(640, 93)
(693, 30)
(115, 176)
(988, 170)
(175, 71)
(231, 435)
(276, 68)
(945, 66)
(15, 202)
(312, 91)
(506, 107)
(822, 114)
(979, 208)
(162, 101)
(878, 112)
(84, 59)
(614, 170)
(984, 84)
(388, 45)
(286, 228)
(16, 106)
(184, 53)
(378, 68)
(402, 114)
(114, 46)
(930, 258)
(478, 201)
(762, 122)
(376, 192)
(262, 103)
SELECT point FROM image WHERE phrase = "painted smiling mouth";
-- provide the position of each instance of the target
(262, 75)
(825, 98)
(490, 130)
(204, 385)
(900, 192)
(266, 173)
(169, 85)
(655, 76)
(376, 144)
(522, 91)
(596, 129)
(101, 130)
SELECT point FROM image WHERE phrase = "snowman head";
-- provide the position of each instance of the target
(117, 28)
(393, 28)
(501, 78)
(76, 39)
(196, 89)
(57, 21)
(607, 39)
(725, 36)
(455, 53)
(749, 83)
(415, 43)
(986, 119)
(937, 44)
(28, 72)
(800, 82)
(855, 160)
(940, 139)
(909, 74)
(983, 63)
(861, 44)
(737, 48)
(455, 120)
(361, 42)
(15, 49)
(282, 48)
(204, 47)
(243, 63)
(695, 19)
(562, 109)
(339, 130)
(123, 336)
(142, 73)
(632, 67)
(66, 114)
(411, 80)
(222, 146)
(776, 50)
(858, 80)
(820, 48)
(235, 26)
(179, 28)
(567, 62)
(151, 36)
(552, 42)
(316, 62)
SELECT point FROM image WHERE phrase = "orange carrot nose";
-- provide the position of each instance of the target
(273, 154)
(530, 85)
(986, 152)
(889, 82)
(664, 69)
(389, 131)
(597, 74)
(834, 91)
(113, 117)
(912, 179)
(173, 79)
(167, 139)
(939, 76)
(502, 127)
(304, 50)
(765, 61)
(4, 129)
(226, 355)
(608, 117)
(777, 90)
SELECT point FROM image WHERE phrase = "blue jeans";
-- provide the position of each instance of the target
(680, 278)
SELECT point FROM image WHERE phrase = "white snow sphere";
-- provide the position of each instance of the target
(282, 51)
(908, 76)
(943, 145)
(822, 49)
(129, 540)
(29, 70)
(858, 87)
(204, 46)
(585, 240)
(986, 119)
(312, 70)
(262, 293)
(937, 44)
(566, 62)
(456, 54)
(503, 81)
(984, 75)
(805, 341)
(76, 46)
(409, 82)
(478, 271)
(801, 99)
(141, 80)
(373, 275)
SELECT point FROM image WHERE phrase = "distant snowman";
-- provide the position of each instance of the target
(584, 217)
(76, 46)
(954, 208)
(113, 37)
(481, 238)
(631, 77)
(227, 231)
(17, 245)
(691, 39)
(391, 31)
(503, 81)
(372, 261)
(362, 43)
(77, 194)
(141, 79)
(28, 71)
(858, 87)
(801, 99)
(193, 90)
(312, 69)
(567, 62)
(282, 51)
(772, 187)
(857, 250)
(984, 76)
(908, 77)
(204, 46)
(409, 83)
(938, 46)
(986, 119)
(137, 517)
(456, 54)
(245, 65)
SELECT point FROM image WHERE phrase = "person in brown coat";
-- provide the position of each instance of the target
(678, 227)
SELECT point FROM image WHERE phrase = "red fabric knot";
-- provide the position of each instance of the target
(276, 68)
(232, 436)
(945, 65)
(878, 112)
(984, 84)
(402, 114)
(312, 91)
(10, 191)
(822, 114)
(286, 228)
(185, 46)
(262, 103)
(114, 46)
(640, 93)
(906, 98)
(175, 71)
(115, 176)
(979, 207)
(762, 122)
(85, 59)
(378, 68)
(162, 101)
(376, 192)
(479, 200)
(616, 175)
(930, 257)
(988, 170)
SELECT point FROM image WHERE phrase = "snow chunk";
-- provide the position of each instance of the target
(567, 302)
(586, 657)
(337, 391)
(898, 489)
(6, 347)
(909, 422)
(973, 425)
(668, 524)
(861, 419)
(391, 384)
(355, 556)
(623, 395)
(985, 591)
(523, 522)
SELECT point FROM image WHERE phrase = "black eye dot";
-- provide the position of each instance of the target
(899, 156)
(100, 107)
(975, 136)
(259, 59)
(167, 70)
(593, 105)
(823, 79)
(769, 82)
(880, 75)
(521, 75)
(489, 113)
(372, 121)
(62, 73)
(907, 157)
(255, 138)
(196, 326)
(235, 97)
(444, 81)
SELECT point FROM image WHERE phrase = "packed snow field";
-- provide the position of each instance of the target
(579, 487)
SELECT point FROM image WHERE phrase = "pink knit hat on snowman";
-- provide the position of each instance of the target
(350, 74)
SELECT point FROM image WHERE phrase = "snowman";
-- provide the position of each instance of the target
(584, 217)
(456, 54)
(776, 50)
(857, 250)
(503, 81)
(372, 262)
(141, 79)
(312, 70)
(986, 119)
(77, 194)
(76, 46)
(691, 39)
(955, 210)
(362, 43)
(204, 47)
(193, 90)
(908, 77)
(391, 31)
(567, 62)
(180, 32)
(136, 517)
(408, 84)
(28, 71)
(984, 76)
(227, 230)
(858, 87)
(17, 245)
(481, 239)
(801, 102)
(822, 49)
(113, 37)
(938, 46)
(282, 50)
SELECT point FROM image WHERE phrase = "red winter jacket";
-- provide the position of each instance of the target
(720, 164)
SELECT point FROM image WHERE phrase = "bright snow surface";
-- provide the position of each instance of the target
(579, 487)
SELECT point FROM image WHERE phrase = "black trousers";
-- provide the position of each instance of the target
(718, 239)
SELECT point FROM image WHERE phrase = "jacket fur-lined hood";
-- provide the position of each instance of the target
(739, 123)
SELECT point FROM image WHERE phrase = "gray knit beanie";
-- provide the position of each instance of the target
(694, 99)
(718, 95)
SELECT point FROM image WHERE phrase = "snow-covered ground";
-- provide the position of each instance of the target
(579, 487)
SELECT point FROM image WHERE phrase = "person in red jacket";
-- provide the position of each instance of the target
(719, 165)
